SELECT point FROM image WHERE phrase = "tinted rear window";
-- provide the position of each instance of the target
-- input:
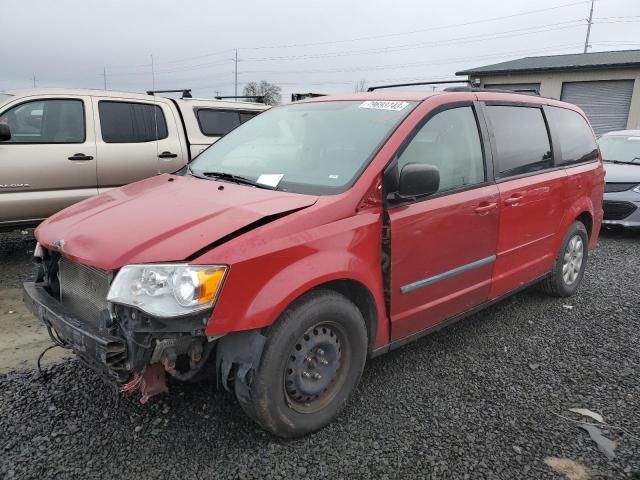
(577, 143)
(217, 122)
(127, 122)
(521, 140)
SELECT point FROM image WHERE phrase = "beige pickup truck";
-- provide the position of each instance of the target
(60, 146)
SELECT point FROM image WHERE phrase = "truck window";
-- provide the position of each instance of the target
(577, 142)
(216, 123)
(450, 141)
(244, 116)
(46, 121)
(128, 122)
(521, 140)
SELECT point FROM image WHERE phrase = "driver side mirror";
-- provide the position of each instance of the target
(5, 132)
(418, 180)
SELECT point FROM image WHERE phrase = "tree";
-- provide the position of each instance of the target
(360, 85)
(269, 91)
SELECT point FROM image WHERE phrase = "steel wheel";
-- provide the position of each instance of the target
(573, 256)
(316, 367)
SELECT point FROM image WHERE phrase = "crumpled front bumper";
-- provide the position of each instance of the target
(94, 347)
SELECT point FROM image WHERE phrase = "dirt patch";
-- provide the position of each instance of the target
(23, 336)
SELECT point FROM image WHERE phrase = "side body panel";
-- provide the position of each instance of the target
(531, 212)
(38, 179)
(447, 244)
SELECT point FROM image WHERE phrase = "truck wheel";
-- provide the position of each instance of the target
(312, 361)
(568, 270)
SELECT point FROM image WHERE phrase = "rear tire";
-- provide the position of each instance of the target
(311, 363)
(568, 269)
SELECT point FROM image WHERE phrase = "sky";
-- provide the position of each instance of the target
(324, 46)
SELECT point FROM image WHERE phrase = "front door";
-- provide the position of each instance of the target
(50, 160)
(443, 247)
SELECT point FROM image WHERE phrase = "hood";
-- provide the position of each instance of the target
(622, 173)
(162, 219)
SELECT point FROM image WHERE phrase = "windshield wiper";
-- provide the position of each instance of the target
(235, 178)
(621, 162)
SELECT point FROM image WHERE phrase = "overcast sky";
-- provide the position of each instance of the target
(323, 46)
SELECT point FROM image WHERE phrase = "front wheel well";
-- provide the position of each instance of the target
(587, 221)
(363, 300)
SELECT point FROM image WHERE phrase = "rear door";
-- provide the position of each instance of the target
(50, 161)
(135, 140)
(532, 194)
(443, 247)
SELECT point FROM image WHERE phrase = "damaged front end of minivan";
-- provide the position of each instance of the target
(140, 324)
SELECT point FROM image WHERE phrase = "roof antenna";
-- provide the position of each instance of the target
(155, 114)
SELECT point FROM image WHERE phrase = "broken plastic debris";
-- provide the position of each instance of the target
(570, 469)
(605, 445)
(588, 413)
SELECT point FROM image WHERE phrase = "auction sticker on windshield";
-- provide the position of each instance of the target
(270, 179)
(384, 105)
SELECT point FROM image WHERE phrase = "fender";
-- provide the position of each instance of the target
(259, 289)
(580, 205)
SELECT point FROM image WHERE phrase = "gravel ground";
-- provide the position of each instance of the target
(16, 254)
(477, 400)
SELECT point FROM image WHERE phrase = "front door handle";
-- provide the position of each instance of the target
(514, 199)
(167, 155)
(80, 156)
(485, 207)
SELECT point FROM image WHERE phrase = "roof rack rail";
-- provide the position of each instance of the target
(186, 92)
(257, 98)
(525, 91)
(437, 82)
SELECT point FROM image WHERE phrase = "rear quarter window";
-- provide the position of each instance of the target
(521, 140)
(575, 138)
(217, 123)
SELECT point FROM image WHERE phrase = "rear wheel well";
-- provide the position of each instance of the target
(587, 221)
(362, 298)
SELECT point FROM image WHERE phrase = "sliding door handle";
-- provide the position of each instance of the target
(167, 155)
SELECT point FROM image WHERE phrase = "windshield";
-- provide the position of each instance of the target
(620, 149)
(313, 148)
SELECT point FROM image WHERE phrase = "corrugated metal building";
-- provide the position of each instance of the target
(606, 85)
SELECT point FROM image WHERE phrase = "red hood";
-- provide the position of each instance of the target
(162, 219)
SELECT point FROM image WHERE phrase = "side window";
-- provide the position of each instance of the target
(215, 123)
(577, 142)
(128, 122)
(451, 142)
(46, 121)
(521, 140)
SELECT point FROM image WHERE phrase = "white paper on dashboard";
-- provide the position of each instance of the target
(270, 179)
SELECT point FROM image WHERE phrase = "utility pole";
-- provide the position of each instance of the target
(34, 80)
(104, 76)
(590, 21)
(236, 75)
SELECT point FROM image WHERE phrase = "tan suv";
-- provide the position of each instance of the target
(59, 146)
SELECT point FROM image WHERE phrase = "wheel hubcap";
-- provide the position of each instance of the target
(573, 256)
(313, 366)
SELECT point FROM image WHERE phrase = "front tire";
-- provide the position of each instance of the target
(568, 270)
(311, 363)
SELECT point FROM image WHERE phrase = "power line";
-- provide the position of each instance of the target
(370, 37)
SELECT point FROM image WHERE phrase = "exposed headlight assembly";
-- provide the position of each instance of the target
(167, 290)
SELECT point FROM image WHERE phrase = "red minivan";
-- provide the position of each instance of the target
(317, 235)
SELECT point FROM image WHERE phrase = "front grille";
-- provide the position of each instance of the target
(619, 187)
(83, 290)
(617, 210)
